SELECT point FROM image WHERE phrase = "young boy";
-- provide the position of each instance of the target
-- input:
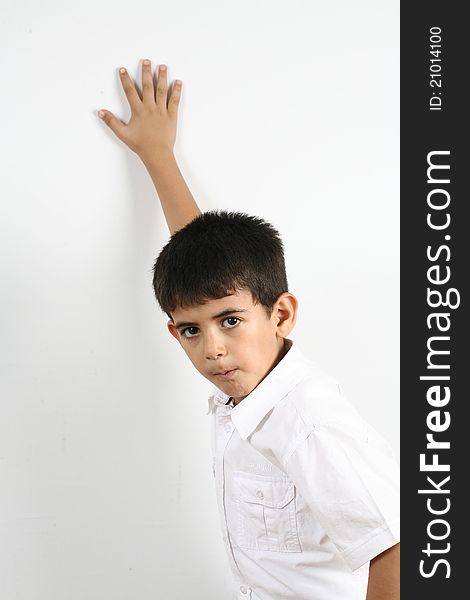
(307, 490)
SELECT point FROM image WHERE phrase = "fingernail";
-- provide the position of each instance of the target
(101, 114)
(162, 67)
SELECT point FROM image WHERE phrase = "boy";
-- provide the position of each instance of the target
(307, 491)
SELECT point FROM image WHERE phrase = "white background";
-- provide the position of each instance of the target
(289, 111)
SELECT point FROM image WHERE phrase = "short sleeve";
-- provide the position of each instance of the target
(349, 478)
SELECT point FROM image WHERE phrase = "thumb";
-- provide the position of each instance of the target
(116, 125)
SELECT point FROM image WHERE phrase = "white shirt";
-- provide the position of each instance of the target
(307, 491)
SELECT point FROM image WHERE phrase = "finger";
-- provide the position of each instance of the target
(148, 91)
(162, 89)
(174, 101)
(115, 124)
(129, 89)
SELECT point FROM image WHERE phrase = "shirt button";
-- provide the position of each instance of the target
(260, 494)
(243, 589)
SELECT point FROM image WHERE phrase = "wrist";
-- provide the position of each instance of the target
(158, 158)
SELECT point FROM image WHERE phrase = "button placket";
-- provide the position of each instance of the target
(224, 430)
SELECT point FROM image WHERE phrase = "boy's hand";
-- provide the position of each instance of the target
(151, 130)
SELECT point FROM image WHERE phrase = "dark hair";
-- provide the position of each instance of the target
(218, 254)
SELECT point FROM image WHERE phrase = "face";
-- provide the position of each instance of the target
(232, 333)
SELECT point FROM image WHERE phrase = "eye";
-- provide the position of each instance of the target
(183, 332)
(232, 319)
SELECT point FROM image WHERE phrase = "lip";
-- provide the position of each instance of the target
(227, 374)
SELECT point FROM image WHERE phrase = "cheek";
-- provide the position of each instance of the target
(190, 354)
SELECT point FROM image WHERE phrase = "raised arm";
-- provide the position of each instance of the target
(151, 134)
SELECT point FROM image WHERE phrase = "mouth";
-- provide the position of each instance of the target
(227, 374)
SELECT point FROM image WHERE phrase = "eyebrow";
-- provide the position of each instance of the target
(224, 313)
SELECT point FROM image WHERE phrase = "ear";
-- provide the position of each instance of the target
(285, 312)
(172, 329)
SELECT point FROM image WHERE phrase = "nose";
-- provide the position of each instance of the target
(213, 346)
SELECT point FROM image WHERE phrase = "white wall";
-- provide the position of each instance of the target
(290, 112)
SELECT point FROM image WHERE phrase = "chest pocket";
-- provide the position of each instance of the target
(266, 518)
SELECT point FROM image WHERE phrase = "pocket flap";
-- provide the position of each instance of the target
(275, 492)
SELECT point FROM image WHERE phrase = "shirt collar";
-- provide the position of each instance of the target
(248, 413)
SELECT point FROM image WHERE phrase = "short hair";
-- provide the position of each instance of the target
(218, 254)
